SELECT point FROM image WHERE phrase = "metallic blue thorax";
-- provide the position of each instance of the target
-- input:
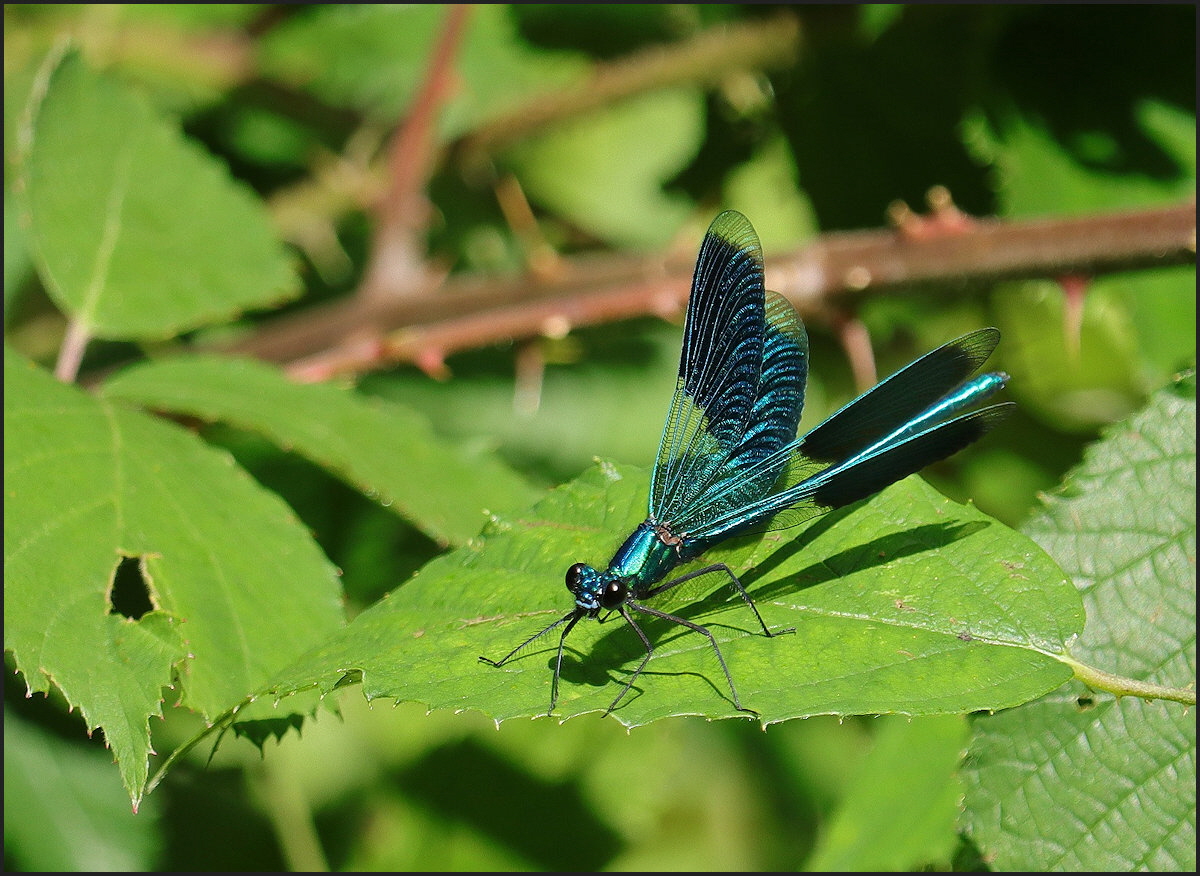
(645, 558)
(649, 553)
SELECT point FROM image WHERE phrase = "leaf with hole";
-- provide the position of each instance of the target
(238, 588)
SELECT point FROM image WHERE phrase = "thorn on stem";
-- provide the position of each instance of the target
(944, 218)
(1074, 288)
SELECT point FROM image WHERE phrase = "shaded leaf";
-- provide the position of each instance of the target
(64, 810)
(857, 146)
(137, 232)
(605, 171)
(1079, 781)
(907, 822)
(237, 586)
(383, 449)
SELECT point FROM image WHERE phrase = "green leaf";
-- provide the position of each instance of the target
(1093, 783)
(1071, 389)
(64, 811)
(909, 603)
(907, 821)
(1162, 308)
(17, 265)
(875, 18)
(136, 231)
(237, 587)
(606, 171)
(609, 401)
(1036, 175)
(383, 449)
(765, 187)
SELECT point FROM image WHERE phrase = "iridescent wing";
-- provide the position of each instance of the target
(899, 399)
(740, 387)
(908, 421)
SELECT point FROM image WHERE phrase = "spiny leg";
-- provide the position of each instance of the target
(570, 619)
(717, 567)
(649, 653)
(562, 640)
(515, 651)
(645, 609)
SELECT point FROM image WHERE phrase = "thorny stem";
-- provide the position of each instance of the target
(821, 279)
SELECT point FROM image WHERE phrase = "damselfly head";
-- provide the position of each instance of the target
(594, 590)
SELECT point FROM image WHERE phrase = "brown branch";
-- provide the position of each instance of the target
(821, 279)
(991, 250)
(340, 187)
(397, 248)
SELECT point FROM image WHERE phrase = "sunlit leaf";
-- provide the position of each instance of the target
(765, 188)
(235, 586)
(1073, 388)
(909, 604)
(136, 231)
(383, 449)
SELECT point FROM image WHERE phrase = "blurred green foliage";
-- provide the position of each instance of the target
(1020, 111)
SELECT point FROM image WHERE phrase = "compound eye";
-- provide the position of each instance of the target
(575, 576)
(614, 594)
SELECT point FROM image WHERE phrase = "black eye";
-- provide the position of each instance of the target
(614, 594)
(575, 575)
